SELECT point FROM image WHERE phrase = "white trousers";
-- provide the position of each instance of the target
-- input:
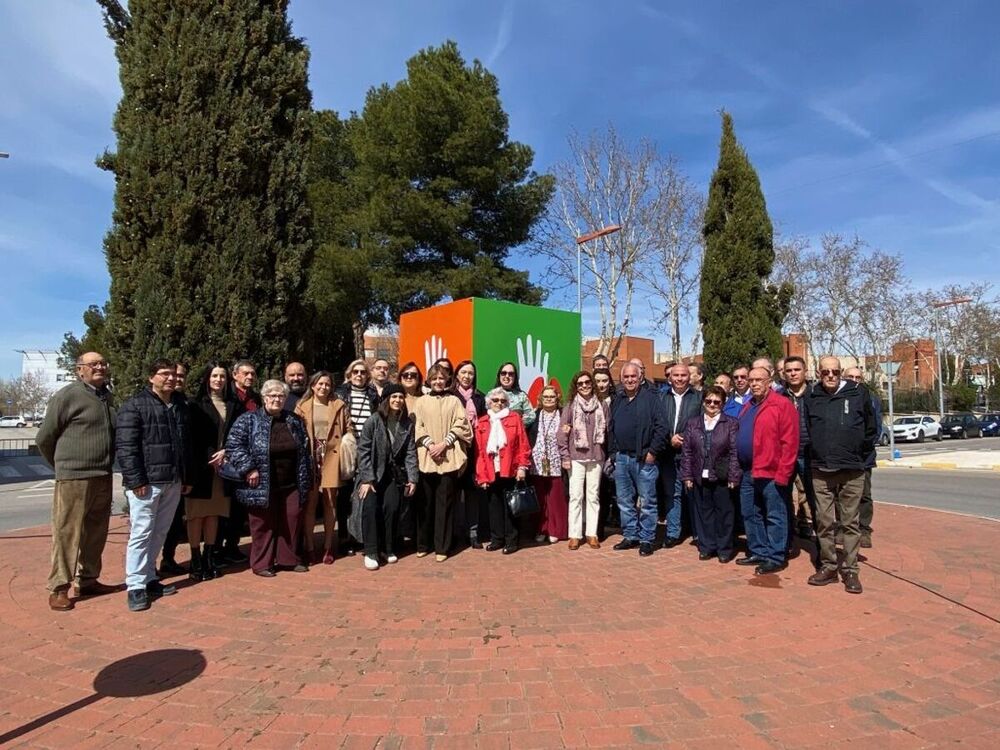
(584, 477)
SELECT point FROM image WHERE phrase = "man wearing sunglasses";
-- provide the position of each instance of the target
(740, 392)
(842, 432)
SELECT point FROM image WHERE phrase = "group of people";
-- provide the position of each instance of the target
(434, 460)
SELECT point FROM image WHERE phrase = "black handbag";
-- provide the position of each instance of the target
(522, 500)
(228, 472)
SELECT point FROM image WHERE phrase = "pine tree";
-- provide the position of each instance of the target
(211, 232)
(740, 313)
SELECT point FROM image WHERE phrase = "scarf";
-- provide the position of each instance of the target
(497, 438)
(470, 406)
(580, 407)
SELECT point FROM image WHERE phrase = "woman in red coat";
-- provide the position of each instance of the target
(502, 459)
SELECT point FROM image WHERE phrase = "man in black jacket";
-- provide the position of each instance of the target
(842, 431)
(680, 403)
(150, 436)
(637, 432)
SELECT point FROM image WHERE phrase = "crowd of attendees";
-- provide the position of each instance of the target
(429, 462)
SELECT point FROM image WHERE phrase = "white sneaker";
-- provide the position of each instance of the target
(540, 538)
(371, 563)
(553, 539)
(392, 559)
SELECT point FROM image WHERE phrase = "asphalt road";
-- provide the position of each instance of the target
(26, 504)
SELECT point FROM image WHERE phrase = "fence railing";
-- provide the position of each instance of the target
(13, 447)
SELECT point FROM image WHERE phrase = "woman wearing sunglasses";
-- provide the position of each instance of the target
(412, 381)
(582, 450)
(709, 470)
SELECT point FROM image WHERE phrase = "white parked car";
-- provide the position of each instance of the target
(13, 422)
(916, 429)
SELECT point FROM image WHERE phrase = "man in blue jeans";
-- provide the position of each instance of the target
(151, 449)
(637, 433)
(767, 446)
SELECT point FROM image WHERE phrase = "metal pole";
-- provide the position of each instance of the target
(579, 294)
(940, 378)
(892, 419)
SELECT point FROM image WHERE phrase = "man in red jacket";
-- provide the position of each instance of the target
(767, 446)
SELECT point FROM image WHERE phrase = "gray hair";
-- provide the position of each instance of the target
(272, 386)
(497, 393)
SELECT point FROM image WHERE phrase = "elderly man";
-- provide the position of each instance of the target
(152, 452)
(803, 508)
(867, 510)
(680, 403)
(740, 393)
(767, 446)
(637, 434)
(77, 440)
(842, 432)
(297, 380)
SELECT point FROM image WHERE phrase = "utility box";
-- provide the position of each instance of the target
(543, 343)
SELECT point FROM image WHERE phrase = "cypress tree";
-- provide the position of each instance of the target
(210, 232)
(740, 313)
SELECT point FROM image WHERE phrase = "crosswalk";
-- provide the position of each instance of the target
(23, 469)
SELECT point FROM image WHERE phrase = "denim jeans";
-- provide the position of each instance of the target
(672, 493)
(763, 505)
(634, 477)
(150, 518)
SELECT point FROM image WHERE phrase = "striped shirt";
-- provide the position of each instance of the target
(361, 409)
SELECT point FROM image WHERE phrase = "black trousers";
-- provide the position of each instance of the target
(608, 514)
(714, 517)
(233, 527)
(435, 511)
(380, 515)
(476, 506)
(503, 525)
(343, 510)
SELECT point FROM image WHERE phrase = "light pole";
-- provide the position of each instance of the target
(579, 242)
(940, 345)
(892, 368)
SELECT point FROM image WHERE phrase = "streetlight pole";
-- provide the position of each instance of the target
(604, 231)
(940, 345)
(892, 368)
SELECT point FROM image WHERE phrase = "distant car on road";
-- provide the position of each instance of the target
(961, 426)
(916, 429)
(989, 425)
(13, 422)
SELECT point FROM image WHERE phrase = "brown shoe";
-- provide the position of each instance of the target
(60, 601)
(96, 588)
(851, 583)
(823, 577)
(574, 544)
(593, 543)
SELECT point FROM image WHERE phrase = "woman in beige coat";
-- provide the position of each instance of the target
(326, 422)
(443, 435)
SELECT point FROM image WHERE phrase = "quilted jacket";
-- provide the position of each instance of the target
(248, 447)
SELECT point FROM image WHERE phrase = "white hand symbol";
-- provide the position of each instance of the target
(531, 365)
(433, 351)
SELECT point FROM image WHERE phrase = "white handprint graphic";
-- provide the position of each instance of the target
(532, 367)
(433, 351)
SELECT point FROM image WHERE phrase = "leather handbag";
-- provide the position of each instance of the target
(228, 472)
(348, 455)
(522, 500)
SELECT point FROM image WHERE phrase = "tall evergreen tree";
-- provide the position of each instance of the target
(434, 194)
(211, 232)
(740, 313)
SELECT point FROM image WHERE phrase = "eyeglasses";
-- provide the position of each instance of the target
(712, 401)
(506, 373)
(167, 374)
(407, 375)
(498, 400)
(359, 372)
(274, 395)
(583, 382)
(739, 377)
(824, 373)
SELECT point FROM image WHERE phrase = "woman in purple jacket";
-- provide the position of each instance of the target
(709, 470)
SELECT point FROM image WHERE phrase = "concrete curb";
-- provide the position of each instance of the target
(935, 465)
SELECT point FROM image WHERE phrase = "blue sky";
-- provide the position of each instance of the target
(876, 118)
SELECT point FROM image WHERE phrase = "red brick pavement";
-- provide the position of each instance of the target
(543, 649)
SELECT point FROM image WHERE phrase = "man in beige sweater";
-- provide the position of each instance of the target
(77, 440)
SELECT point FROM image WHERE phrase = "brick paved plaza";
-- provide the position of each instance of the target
(543, 649)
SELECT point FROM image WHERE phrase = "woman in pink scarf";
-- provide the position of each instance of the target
(582, 441)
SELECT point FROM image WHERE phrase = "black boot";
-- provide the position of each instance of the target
(195, 567)
(210, 563)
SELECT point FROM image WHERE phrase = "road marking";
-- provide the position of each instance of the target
(46, 484)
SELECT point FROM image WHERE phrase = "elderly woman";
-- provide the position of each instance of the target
(502, 459)
(269, 449)
(387, 473)
(362, 400)
(710, 469)
(546, 467)
(442, 433)
(582, 441)
(326, 422)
